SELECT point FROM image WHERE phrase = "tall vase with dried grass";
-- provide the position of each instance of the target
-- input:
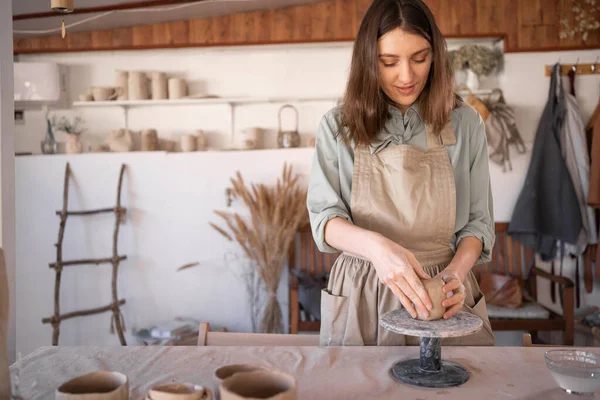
(276, 213)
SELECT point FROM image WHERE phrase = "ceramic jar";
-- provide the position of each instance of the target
(149, 140)
(188, 143)
(74, 145)
(177, 88)
(138, 86)
(159, 86)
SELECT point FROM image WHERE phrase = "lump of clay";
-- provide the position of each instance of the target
(434, 288)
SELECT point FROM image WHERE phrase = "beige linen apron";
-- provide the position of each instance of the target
(408, 195)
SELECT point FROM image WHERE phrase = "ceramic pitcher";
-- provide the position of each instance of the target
(138, 86)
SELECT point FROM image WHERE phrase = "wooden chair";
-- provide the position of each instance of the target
(305, 257)
(509, 257)
(5, 389)
(223, 338)
(527, 342)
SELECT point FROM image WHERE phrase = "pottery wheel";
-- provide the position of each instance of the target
(430, 370)
(461, 324)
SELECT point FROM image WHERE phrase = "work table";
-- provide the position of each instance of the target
(320, 372)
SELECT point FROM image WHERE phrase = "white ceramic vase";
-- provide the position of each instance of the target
(472, 80)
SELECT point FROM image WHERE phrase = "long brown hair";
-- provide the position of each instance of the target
(365, 106)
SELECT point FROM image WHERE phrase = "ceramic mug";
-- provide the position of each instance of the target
(99, 385)
(266, 384)
(188, 143)
(179, 391)
(103, 93)
(177, 88)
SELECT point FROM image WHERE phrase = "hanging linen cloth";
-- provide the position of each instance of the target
(501, 131)
(547, 209)
(574, 150)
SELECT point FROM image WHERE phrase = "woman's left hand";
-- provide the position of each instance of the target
(455, 291)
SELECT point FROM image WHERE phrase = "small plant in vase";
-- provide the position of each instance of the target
(477, 60)
(73, 131)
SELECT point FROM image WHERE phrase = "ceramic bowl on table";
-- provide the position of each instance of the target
(575, 371)
(179, 391)
(97, 385)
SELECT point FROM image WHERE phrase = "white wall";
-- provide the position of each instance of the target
(7, 164)
(170, 200)
(173, 195)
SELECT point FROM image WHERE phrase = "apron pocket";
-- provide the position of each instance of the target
(483, 337)
(334, 314)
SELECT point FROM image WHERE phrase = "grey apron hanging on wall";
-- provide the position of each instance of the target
(547, 210)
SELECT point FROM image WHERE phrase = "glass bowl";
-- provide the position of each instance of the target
(575, 371)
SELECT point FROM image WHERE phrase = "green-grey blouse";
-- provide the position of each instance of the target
(330, 186)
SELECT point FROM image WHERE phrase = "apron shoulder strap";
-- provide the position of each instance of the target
(445, 138)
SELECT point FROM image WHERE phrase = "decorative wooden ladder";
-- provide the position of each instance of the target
(117, 319)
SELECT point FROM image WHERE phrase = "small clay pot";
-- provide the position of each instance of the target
(179, 391)
(271, 385)
(434, 287)
(226, 371)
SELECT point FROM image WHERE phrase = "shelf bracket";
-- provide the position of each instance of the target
(126, 116)
(232, 106)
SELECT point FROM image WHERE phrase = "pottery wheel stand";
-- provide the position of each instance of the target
(430, 370)
(117, 320)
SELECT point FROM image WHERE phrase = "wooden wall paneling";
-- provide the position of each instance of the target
(144, 35)
(346, 24)
(302, 23)
(160, 34)
(178, 32)
(243, 28)
(102, 39)
(446, 17)
(323, 21)
(201, 31)
(360, 9)
(222, 29)
(526, 25)
(466, 17)
(122, 37)
(79, 40)
(264, 26)
(282, 25)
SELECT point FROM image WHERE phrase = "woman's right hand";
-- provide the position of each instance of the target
(399, 270)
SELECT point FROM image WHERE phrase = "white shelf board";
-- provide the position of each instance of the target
(192, 101)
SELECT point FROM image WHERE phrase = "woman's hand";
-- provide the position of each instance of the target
(399, 270)
(454, 289)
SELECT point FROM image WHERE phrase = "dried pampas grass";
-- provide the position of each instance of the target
(276, 213)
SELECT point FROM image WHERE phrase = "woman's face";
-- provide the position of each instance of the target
(404, 63)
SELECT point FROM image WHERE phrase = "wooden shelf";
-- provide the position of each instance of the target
(201, 101)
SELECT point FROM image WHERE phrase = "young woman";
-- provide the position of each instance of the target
(400, 184)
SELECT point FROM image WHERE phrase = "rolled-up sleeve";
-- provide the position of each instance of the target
(481, 214)
(324, 198)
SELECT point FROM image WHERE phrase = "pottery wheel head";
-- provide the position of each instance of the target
(461, 324)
